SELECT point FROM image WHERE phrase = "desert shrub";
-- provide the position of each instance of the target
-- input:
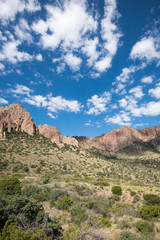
(78, 214)
(12, 231)
(31, 191)
(81, 190)
(103, 222)
(117, 190)
(90, 204)
(101, 183)
(126, 235)
(132, 193)
(64, 203)
(57, 194)
(124, 224)
(152, 199)
(149, 212)
(10, 185)
(144, 227)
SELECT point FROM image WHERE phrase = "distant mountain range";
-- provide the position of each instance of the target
(15, 118)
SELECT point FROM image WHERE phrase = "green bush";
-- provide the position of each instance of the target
(10, 185)
(31, 191)
(64, 203)
(132, 193)
(144, 227)
(124, 224)
(117, 190)
(12, 231)
(78, 214)
(152, 199)
(57, 194)
(149, 212)
(126, 235)
(103, 222)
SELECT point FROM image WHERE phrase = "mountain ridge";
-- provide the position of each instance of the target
(16, 118)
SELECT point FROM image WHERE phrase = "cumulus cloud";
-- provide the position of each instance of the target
(54, 104)
(39, 57)
(3, 101)
(147, 80)
(148, 109)
(70, 27)
(120, 119)
(11, 53)
(98, 105)
(145, 49)
(20, 90)
(155, 92)
(22, 31)
(10, 8)
(2, 67)
(137, 92)
(73, 61)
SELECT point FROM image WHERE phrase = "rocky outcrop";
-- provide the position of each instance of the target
(54, 134)
(50, 132)
(119, 138)
(15, 118)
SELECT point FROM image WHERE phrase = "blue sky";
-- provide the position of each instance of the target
(84, 66)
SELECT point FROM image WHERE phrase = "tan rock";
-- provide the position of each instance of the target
(50, 132)
(15, 118)
(119, 138)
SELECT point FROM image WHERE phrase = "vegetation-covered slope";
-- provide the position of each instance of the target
(77, 186)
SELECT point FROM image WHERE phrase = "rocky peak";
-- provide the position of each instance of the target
(15, 118)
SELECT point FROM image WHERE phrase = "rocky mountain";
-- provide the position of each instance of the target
(54, 134)
(120, 138)
(15, 118)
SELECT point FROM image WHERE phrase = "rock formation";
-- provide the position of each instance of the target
(54, 134)
(15, 118)
(120, 138)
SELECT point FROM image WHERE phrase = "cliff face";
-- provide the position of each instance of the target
(15, 118)
(54, 134)
(120, 138)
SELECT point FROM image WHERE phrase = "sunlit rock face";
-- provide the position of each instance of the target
(15, 118)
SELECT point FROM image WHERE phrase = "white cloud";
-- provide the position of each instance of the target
(88, 123)
(11, 53)
(145, 49)
(103, 64)
(2, 67)
(73, 61)
(123, 103)
(148, 79)
(70, 27)
(52, 116)
(20, 90)
(137, 92)
(148, 109)
(22, 31)
(10, 8)
(155, 92)
(90, 49)
(54, 104)
(67, 25)
(39, 57)
(121, 119)
(98, 105)
(3, 101)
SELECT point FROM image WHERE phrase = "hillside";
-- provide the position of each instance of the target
(75, 185)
